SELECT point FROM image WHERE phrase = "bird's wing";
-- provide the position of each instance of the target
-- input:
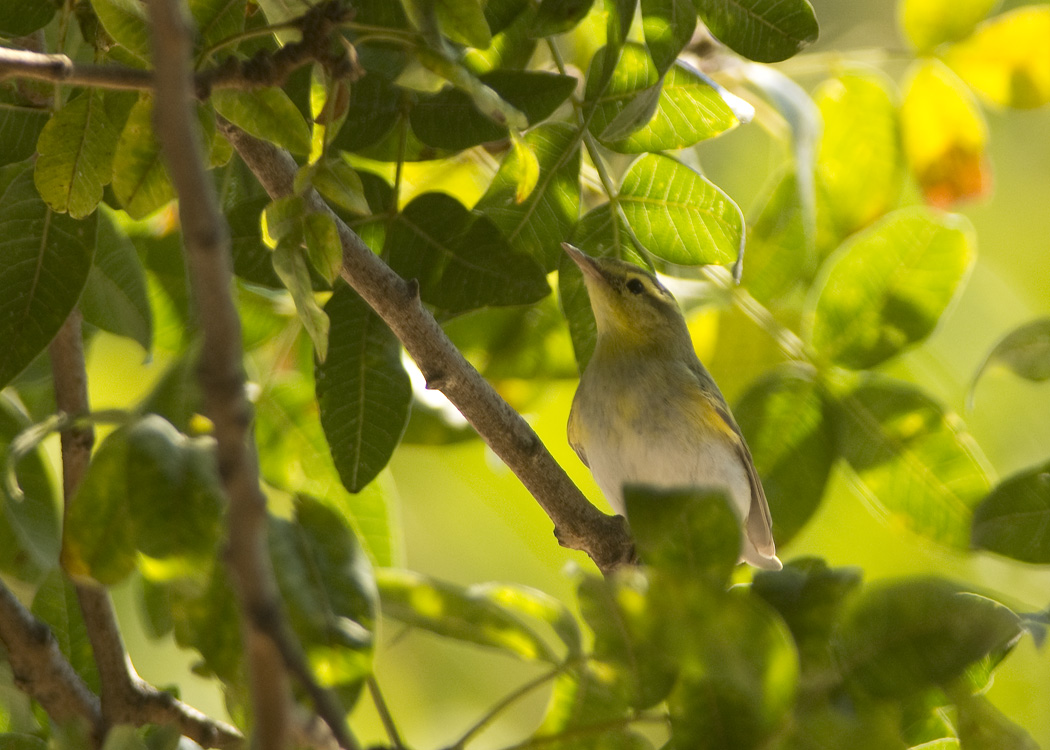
(759, 521)
(575, 438)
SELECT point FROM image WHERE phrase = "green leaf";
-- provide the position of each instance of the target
(761, 30)
(888, 287)
(470, 614)
(76, 151)
(20, 128)
(127, 23)
(342, 186)
(45, 259)
(780, 248)
(1014, 520)
(902, 637)
(1005, 59)
(151, 490)
(792, 443)
(679, 215)
(290, 263)
(640, 111)
(15, 741)
(460, 259)
(537, 225)
(929, 23)
(809, 596)
(450, 119)
(583, 701)
(464, 22)
(1025, 351)
(205, 618)
(739, 675)
(252, 260)
(217, 19)
(326, 580)
(558, 16)
(116, 298)
(375, 104)
(686, 531)
(362, 389)
(19, 19)
(629, 636)
(668, 26)
(140, 180)
(56, 604)
(860, 163)
(267, 113)
(29, 526)
(984, 727)
(511, 48)
(914, 460)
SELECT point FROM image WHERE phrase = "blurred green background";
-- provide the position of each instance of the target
(465, 517)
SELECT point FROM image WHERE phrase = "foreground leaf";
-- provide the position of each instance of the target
(914, 460)
(363, 390)
(887, 288)
(56, 603)
(1014, 520)
(668, 26)
(1025, 351)
(679, 215)
(45, 259)
(140, 180)
(929, 23)
(761, 30)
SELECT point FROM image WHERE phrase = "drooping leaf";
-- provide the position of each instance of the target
(639, 110)
(559, 16)
(678, 214)
(859, 164)
(944, 135)
(140, 180)
(326, 580)
(537, 225)
(56, 604)
(629, 637)
(1007, 60)
(127, 22)
(668, 26)
(761, 30)
(1025, 351)
(362, 389)
(901, 637)
(266, 113)
(929, 23)
(45, 259)
(29, 527)
(1014, 520)
(691, 532)
(460, 259)
(887, 288)
(469, 614)
(76, 151)
(116, 298)
(151, 490)
(914, 460)
(782, 416)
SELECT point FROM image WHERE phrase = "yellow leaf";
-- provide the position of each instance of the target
(527, 168)
(1007, 60)
(944, 136)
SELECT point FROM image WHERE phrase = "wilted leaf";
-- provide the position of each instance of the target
(914, 460)
(761, 30)
(1014, 520)
(944, 135)
(678, 214)
(44, 264)
(1007, 60)
(888, 287)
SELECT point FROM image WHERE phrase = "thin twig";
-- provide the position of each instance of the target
(126, 698)
(384, 713)
(505, 702)
(578, 524)
(271, 650)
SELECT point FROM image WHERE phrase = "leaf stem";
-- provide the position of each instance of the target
(384, 713)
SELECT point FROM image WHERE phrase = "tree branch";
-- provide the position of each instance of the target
(126, 698)
(263, 70)
(578, 524)
(270, 647)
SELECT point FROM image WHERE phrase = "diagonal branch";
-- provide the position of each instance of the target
(578, 524)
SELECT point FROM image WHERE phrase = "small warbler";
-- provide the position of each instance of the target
(647, 412)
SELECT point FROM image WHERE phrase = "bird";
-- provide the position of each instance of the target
(647, 411)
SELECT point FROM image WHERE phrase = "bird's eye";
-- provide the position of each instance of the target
(635, 286)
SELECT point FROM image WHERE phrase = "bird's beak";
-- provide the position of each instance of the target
(585, 262)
